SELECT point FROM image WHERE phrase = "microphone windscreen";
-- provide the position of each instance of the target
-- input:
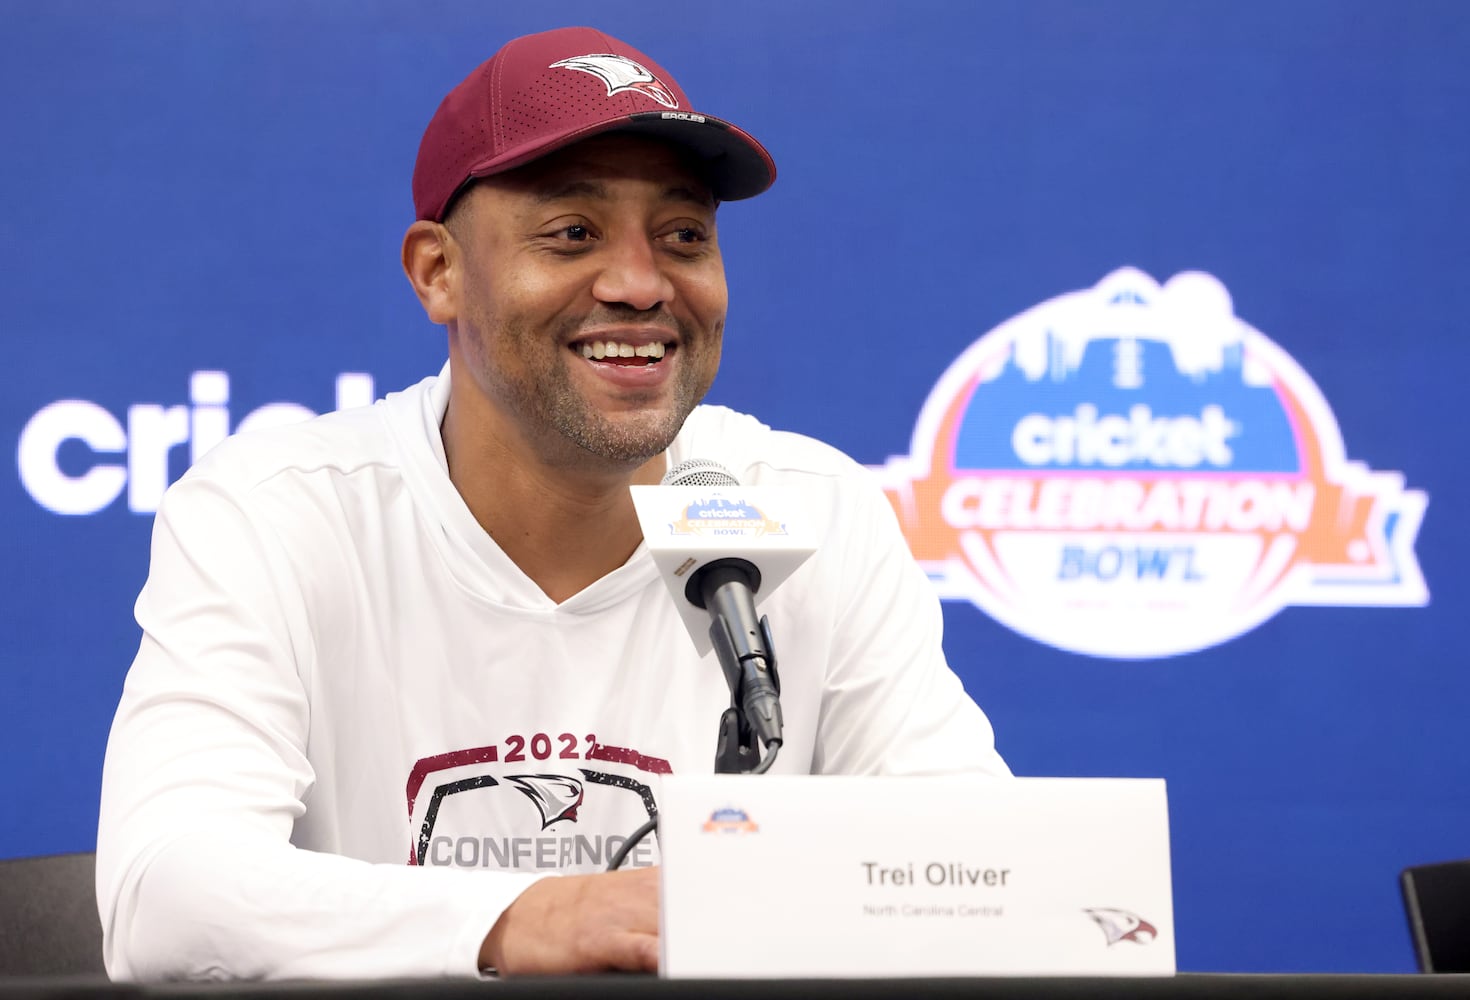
(699, 472)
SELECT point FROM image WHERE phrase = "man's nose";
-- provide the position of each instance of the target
(633, 275)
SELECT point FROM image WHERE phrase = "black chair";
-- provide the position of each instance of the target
(1437, 900)
(48, 917)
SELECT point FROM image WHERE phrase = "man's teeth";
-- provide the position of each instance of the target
(599, 349)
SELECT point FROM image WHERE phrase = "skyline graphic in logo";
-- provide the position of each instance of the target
(621, 75)
(718, 516)
(1122, 925)
(1132, 471)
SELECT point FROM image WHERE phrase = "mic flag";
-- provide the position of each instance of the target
(700, 514)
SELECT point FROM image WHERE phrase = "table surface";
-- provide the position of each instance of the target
(1185, 986)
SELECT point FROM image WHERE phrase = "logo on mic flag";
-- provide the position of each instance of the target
(1133, 471)
(687, 527)
(718, 516)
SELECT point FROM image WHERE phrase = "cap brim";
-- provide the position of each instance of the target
(736, 165)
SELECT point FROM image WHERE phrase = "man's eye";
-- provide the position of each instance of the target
(577, 234)
(686, 234)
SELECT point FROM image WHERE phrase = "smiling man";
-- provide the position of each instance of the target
(428, 631)
(585, 300)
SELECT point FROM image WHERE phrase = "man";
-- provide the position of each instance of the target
(427, 631)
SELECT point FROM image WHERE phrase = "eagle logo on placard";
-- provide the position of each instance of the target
(1121, 925)
(621, 74)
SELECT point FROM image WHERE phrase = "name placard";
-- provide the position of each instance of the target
(783, 876)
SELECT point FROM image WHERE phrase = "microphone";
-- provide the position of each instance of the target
(726, 588)
(699, 472)
(722, 549)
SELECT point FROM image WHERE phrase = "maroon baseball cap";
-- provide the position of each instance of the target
(545, 91)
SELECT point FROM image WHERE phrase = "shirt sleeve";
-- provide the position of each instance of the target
(207, 771)
(892, 705)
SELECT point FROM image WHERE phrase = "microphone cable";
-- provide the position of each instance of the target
(616, 861)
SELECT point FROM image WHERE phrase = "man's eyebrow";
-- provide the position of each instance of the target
(592, 189)
(694, 195)
(571, 189)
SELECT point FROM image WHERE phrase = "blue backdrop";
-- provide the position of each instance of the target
(222, 188)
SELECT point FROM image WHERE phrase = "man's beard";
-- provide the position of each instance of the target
(548, 398)
(629, 441)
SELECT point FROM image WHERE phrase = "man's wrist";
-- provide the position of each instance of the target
(490, 948)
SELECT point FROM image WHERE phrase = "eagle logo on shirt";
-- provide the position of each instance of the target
(556, 796)
(468, 808)
(620, 74)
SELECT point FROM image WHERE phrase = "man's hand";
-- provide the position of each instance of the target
(578, 923)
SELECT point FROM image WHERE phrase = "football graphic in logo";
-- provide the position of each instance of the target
(1133, 471)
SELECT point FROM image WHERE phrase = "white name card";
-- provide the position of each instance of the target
(782, 876)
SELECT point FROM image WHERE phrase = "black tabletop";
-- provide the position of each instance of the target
(1186, 986)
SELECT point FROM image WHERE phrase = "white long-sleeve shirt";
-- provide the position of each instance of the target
(355, 731)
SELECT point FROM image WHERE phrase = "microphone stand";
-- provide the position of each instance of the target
(737, 748)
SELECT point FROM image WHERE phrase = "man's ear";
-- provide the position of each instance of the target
(431, 259)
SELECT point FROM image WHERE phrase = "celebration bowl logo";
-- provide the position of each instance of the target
(730, 820)
(718, 516)
(1132, 471)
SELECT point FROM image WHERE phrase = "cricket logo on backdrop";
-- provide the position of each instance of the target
(1132, 471)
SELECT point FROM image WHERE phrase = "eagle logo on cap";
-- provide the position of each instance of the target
(620, 73)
